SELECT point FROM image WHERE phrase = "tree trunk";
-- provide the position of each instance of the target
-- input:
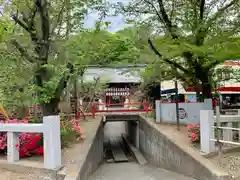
(198, 92)
(206, 90)
(51, 108)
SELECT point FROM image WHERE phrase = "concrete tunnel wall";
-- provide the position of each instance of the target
(157, 148)
(95, 155)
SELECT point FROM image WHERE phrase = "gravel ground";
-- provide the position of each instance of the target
(9, 175)
(229, 162)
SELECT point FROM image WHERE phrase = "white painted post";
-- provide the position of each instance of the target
(12, 150)
(52, 142)
(228, 133)
(126, 102)
(238, 113)
(158, 111)
(101, 105)
(80, 101)
(206, 131)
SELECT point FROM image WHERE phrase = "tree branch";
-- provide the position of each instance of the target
(64, 80)
(28, 25)
(202, 31)
(20, 23)
(44, 43)
(23, 51)
(156, 11)
(219, 13)
(200, 34)
(166, 19)
(172, 63)
(201, 9)
(59, 17)
(42, 8)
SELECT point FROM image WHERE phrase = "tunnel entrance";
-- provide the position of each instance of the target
(121, 139)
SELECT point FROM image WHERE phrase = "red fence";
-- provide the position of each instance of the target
(131, 107)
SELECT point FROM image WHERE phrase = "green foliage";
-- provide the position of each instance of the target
(139, 36)
(191, 37)
(102, 48)
(67, 136)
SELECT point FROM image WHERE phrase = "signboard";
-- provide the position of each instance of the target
(117, 92)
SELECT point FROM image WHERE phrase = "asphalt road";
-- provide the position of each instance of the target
(133, 171)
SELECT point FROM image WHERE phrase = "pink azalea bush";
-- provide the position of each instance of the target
(194, 130)
(32, 143)
(29, 143)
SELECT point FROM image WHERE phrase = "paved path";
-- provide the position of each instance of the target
(133, 171)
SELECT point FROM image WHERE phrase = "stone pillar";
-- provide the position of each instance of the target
(52, 142)
(12, 149)
(206, 131)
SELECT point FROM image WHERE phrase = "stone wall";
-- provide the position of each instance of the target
(94, 157)
(160, 150)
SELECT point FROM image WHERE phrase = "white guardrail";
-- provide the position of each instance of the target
(52, 140)
(207, 135)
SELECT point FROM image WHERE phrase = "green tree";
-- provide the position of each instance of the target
(41, 27)
(190, 36)
(97, 47)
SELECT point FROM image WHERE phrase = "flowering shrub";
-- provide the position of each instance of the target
(32, 143)
(29, 143)
(76, 127)
(194, 131)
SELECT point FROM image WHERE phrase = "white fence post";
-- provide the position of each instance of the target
(127, 104)
(238, 113)
(206, 131)
(52, 142)
(158, 111)
(101, 105)
(12, 149)
(228, 133)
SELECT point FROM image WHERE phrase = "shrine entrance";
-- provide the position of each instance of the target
(116, 96)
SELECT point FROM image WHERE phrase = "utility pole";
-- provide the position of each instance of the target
(177, 105)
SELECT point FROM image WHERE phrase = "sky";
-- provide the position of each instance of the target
(117, 22)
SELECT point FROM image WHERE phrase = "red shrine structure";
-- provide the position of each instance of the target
(122, 82)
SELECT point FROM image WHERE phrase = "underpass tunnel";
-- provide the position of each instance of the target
(121, 134)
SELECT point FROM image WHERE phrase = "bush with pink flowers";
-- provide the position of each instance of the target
(32, 143)
(194, 130)
(29, 143)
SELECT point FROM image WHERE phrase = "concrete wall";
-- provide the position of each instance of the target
(161, 151)
(94, 157)
(189, 113)
(114, 129)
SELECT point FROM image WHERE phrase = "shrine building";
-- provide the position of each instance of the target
(122, 81)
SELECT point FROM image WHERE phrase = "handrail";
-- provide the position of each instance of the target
(126, 109)
(118, 104)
